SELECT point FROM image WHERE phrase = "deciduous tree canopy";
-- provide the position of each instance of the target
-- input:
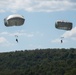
(39, 62)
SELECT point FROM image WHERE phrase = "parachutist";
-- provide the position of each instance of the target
(61, 41)
(17, 40)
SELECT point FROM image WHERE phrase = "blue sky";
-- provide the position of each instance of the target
(39, 29)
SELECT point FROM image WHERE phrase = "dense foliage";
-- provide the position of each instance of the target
(39, 62)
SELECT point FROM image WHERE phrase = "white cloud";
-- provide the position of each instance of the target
(19, 33)
(4, 42)
(67, 35)
(37, 5)
(70, 34)
(59, 40)
(4, 33)
(56, 41)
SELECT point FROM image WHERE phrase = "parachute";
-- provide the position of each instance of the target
(63, 25)
(14, 20)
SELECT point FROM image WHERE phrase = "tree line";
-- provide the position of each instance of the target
(39, 62)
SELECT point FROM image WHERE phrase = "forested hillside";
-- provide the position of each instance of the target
(39, 62)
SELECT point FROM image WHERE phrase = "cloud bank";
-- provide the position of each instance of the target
(4, 42)
(67, 35)
(70, 34)
(37, 5)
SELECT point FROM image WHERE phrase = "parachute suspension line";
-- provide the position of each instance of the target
(16, 38)
(62, 39)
